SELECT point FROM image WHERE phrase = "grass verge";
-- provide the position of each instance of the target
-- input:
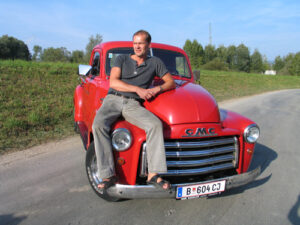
(225, 85)
(36, 99)
(36, 102)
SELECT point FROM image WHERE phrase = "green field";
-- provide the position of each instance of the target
(36, 102)
(36, 99)
(227, 85)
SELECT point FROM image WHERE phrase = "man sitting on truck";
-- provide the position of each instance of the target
(130, 79)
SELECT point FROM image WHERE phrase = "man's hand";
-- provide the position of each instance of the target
(147, 94)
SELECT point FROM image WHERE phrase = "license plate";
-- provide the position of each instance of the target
(203, 189)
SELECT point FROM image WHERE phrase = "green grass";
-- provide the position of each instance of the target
(225, 85)
(36, 102)
(36, 99)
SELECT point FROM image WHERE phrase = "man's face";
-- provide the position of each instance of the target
(140, 45)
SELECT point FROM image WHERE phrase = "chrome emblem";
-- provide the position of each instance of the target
(200, 132)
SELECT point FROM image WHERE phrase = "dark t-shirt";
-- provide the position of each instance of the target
(141, 75)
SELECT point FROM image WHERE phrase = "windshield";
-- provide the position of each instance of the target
(174, 61)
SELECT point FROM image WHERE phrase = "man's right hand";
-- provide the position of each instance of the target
(146, 94)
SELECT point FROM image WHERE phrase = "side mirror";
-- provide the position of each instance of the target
(84, 70)
(196, 74)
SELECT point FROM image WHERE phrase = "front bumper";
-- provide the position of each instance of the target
(149, 191)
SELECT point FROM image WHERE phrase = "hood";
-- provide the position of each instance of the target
(188, 103)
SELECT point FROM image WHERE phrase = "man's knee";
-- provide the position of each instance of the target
(98, 123)
(155, 124)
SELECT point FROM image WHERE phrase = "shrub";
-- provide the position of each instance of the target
(216, 64)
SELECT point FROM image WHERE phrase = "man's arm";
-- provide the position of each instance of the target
(167, 85)
(119, 85)
(145, 94)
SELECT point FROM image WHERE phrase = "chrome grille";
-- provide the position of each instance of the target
(198, 156)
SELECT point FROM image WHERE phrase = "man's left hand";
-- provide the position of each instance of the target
(153, 92)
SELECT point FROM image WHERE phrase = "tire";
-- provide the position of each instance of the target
(91, 170)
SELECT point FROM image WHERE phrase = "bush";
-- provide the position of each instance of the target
(216, 64)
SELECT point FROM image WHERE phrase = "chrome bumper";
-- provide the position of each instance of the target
(149, 191)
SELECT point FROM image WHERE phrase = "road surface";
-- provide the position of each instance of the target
(48, 185)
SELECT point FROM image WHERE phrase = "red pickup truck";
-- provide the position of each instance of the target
(208, 150)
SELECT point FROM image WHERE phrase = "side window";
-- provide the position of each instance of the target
(175, 62)
(112, 55)
(96, 64)
(182, 66)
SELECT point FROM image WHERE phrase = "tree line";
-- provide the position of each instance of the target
(12, 48)
(289, 64)
(238, 58)
(233, 57)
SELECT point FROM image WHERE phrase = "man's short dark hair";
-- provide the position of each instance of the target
(148, 36)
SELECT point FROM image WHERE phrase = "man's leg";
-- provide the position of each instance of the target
(105, 117)
(136, 114)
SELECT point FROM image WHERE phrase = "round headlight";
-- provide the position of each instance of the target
(121, 139)
(251, 133)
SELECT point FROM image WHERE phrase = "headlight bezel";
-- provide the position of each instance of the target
(251, 133)
(118, 146)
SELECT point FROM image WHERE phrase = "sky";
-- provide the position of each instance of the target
(272, 27)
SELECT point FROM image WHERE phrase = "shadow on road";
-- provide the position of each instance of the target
(11, 219)
(263, 156)
(294, 214)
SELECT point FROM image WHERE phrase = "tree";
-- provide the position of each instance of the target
(93, 41)
(295, 65)
(195, 52)
(37, 52)
(188, 48)
(243, 58)
(56, 54)
(77, 56)
(12, 48)
(256, 62)
(221, 53)
(288, 63)
(279, 63)
(231, 57)
(266, 64)
(287, 60)
(209, 53)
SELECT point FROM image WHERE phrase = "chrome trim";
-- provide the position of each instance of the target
(83, 70)
(198, 171)
(149, 191)
(205, 155)
(246, 131)
(198, 144)
(236, 152)
(143, 162)
(201, 162)
(115, 146)
(181, 154)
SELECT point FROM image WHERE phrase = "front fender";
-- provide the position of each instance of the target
(234, 120)
(78, 104)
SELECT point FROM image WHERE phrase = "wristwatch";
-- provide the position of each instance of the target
(161, 89)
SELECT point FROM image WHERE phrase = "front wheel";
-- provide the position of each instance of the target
(92, 174)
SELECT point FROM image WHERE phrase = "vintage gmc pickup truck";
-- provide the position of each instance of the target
(208, 150)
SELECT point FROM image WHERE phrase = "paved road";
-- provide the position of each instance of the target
(48, 185)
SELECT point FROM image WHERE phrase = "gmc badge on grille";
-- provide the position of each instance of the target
(200, 132)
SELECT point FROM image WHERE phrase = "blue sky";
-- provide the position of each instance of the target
(272, 27)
